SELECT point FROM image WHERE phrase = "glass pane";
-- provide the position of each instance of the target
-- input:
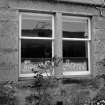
(75, 56)
(36, 25)
(33, 52)
(75, 27)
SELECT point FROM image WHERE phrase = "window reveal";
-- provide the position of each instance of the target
(37, 42)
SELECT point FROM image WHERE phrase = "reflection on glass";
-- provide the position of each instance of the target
(36, 49)
(75, 55)
(34, 52)
(37, 26)
(74, 27)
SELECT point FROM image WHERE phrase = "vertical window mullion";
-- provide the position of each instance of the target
(58, 35)
(58, 40)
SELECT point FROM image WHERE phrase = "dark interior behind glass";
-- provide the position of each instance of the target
(36, 50)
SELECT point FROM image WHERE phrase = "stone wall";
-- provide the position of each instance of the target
(8, 42)
(98, 44)
(64, 91)
(9, 49)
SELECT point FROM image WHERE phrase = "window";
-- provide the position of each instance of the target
(76, 45)
(38, 42)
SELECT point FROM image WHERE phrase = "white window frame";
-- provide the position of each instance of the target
(70, 73)
(25, 37)
(88, 40)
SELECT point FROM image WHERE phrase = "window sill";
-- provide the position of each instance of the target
(71, 74)
(76, 73)
(66, 80)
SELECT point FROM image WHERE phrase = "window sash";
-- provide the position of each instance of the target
(76, 39)
(80, 19)
(33, 38)
(38, 38)
(76, 73)
(87, 40)
(33, 15)
(53, 43)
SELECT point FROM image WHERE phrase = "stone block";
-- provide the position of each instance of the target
(8, 34)
(9, 75)
(4, 3)
(8, 14)
(97, 68)
(99, 46)
(9, 43)
(97, 57)
(99, 22)
(8, 58)
(99, 34)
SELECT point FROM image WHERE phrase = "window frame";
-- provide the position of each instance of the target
(33, 38)
(88, 40)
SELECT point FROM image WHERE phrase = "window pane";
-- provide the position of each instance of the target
(36, 49)
(36, 25)
(75, 55)
(74, 27)
(33, 52)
